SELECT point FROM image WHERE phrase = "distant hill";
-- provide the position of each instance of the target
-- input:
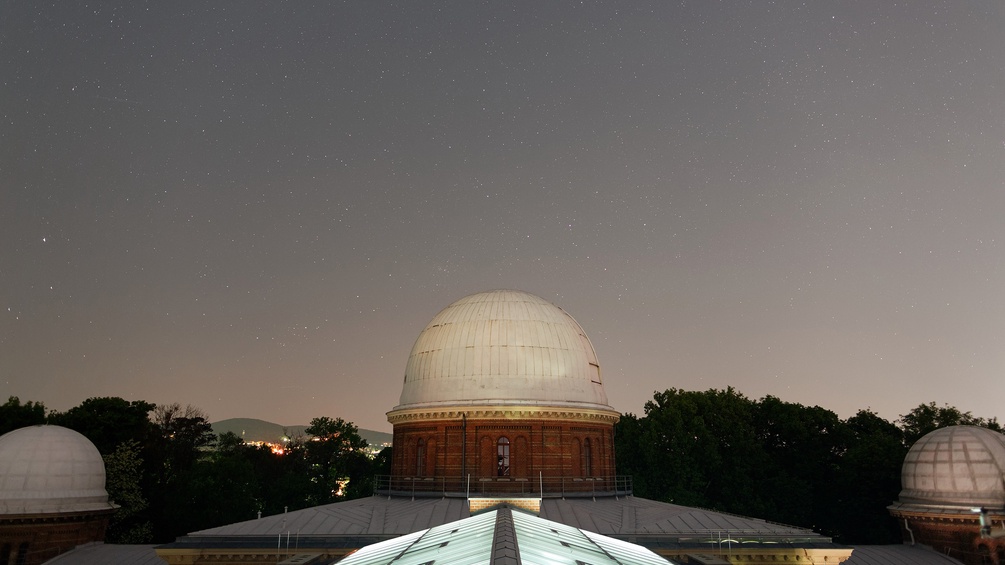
(252, 429)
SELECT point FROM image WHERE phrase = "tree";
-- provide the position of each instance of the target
(868, 480)
(230, 443)
(382, 461)
(181, 437)
(778, 460)
(804, 445)
(130, 523)
(285, 479)
(14, 415)
(630, 449)
(702, 444)
(927, 418)
(184, 432)
(108, 421)
(333, 455)
(219, 489)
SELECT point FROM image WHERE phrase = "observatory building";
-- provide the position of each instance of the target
(503, 393)
(503, 408)
(52, 494)
(947, 477)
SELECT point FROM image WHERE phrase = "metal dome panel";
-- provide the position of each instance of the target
(53, 469)
(957, 466)
(503, 346)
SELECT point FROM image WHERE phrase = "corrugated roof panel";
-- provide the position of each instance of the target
(454, 344)
(900, 554)
(658, 518)
(470, 361)
(479, 355)
(562, 362)
(532, 334)
(494, 352)
(524, 365)
(90, 553)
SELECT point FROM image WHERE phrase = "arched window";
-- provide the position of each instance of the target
(587, 458)
(22, 553)
(502, 457)
(420, 458)
(5, 554)
(985, 554)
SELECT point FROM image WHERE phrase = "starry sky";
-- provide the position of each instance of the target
(255, 207)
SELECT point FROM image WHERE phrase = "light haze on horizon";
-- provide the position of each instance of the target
(255, 208)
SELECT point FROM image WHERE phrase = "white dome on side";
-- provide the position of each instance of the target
(957, 466)
(503, 347)
(50, 469)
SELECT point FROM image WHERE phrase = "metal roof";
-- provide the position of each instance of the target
(956, 466)
(642, 518)
(897, 555)
(50, 469)
(503, 346)
(97, 552)
(364, 521)
(375, 515)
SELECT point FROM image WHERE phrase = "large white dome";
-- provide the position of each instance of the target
(50, 469)
(958, 466)
(503, 347)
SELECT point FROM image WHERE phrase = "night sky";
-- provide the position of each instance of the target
(255, 207)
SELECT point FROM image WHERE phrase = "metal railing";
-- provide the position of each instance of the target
(540, 486)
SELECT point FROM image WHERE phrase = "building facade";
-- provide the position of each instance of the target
(52, 494)
(503, 392)
(503, 406)
(948, 476)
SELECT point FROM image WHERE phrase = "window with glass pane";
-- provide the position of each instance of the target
(502, 456)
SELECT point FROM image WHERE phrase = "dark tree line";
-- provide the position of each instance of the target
(777, 460)
(171, 475)
(715, 449)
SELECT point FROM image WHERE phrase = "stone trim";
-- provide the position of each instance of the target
(941, 514)
(504, 412)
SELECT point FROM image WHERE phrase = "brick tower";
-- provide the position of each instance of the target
(503, 395)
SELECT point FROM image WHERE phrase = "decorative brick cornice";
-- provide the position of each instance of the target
(504, 412)
(56, 517)
(939, 514)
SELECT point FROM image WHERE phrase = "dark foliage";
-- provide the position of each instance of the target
(171, 475)
(335, 453)
(785, 462)
(929, 417)
(14, 415)
(715, 449)
(124, 483)
(109, 421)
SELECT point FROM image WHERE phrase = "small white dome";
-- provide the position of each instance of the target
(503, 347)
(50, 469)
(958, 466)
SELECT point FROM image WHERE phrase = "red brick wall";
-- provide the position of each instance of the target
(537, 447)
(48, 536)
(956, 538)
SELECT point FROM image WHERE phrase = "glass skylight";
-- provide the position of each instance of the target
(472, 541)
